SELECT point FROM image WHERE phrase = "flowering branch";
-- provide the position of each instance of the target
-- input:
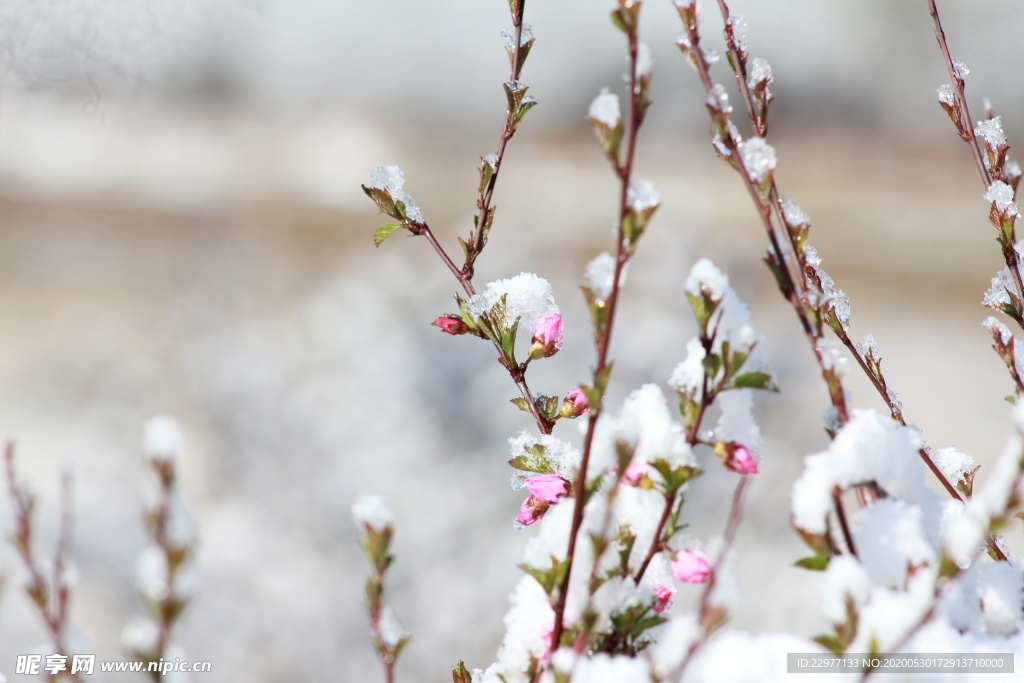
(633, 217)
(51, 596)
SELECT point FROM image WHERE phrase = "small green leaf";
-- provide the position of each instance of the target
(460, 674)
(754, 380)
(830, 642)
(818, 563)
(383, 232)
(383, 200)
(523, 406)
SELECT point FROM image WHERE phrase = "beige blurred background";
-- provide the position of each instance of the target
(182, 231)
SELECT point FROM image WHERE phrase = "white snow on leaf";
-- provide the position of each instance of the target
(891, 539)
(736, 422)
(960, 69)
(529, 616)
(563, 456)
(992, 131)
(528, 297)
(688, 377)
(641, 196)
(644, 61)
(718, 99)
(953, 463)
(371, 510)
(1001, 195)
(793, 214)
(946, 95)
(758, 158)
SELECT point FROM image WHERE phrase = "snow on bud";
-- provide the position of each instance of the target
(1012, 172)
(508, 35)
(663, 598)
(954, 464)
(547, 487)
(691, 567)
(391, 180)
(605, 109)
(997, 328)
(758, 158)
(738, 27)
(947, 95)
(575, 404)
(869, 347)
(141, 635)
(760, 74)
(600, 274)
(793, 214)
(162, 438)
(718, 100)
(707, 280)
(451, 325)
(960, 69)
(736, 457)
(642, 197)
(390, 629)
(831, 353)
(992, 131)
(372, 512)
(547, 336)
(527, 297)
(1001, 197)
(996, 295)
(644, 62)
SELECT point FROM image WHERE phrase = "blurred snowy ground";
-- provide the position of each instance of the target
(181, 230)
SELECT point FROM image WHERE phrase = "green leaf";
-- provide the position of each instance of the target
(383, 200)
(830, 642)
(523, 406)
(754, 380)
(460, 674)
(543, 576)
(383, 232)
(818, 563)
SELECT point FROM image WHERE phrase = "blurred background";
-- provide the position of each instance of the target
(182, 231)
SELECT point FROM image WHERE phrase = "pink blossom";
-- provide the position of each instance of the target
(635, 475)
(575, 404)
(736, 457)
(451, 325)
(531, 510)
(547, 487)
(547, 335)
(664, 598)
(691, 567)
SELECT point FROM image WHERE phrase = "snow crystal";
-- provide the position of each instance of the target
(946, 95)
(391, 179)
(830, 416)
(706, 277)
(162, 439)
(516, 86)
(1001, 195)
(739, 32)
(509, 36)
(718, 99)
(564, 458)
(760, 72)
(869, 348)
(871, 447)
(891, 539)
(894, 400)
(644, 61)
(600, 273)
(953, 463)
(793, 214)
(711, 57)
(832, 356)
(370, 510)
(992, 131)
(960, 69)
(758, 158)
(811, 256)
(736, 422)
(603, 668)
(528, 298)
(838, 300)
(390, 629)
(492, 161)
(642, 196)
(605, 108)
(688, 377)
(996, 295)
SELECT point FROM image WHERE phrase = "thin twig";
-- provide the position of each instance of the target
(604, 338)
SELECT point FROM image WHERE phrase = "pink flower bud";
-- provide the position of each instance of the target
(547, 336)
(451, 325)
(691, 567)
(664, 598)
(547, 487)
(531, 510)
(736, 457)
(575, 404)
(635, 475)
